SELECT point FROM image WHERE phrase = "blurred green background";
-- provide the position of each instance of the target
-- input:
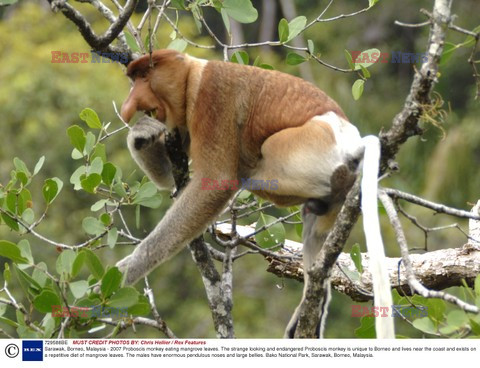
(40, 99)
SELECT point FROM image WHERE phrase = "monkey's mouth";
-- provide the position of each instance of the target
(151, 113)
(155, 114)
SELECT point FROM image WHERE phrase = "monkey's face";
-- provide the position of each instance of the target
(142, 98)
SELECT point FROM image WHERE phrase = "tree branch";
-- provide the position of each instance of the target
(98, 43)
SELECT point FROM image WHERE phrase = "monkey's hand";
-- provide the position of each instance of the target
(146, 141)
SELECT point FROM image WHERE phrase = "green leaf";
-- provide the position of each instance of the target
(27, 283)
(295, 59)
(475, 327)
(20, 166)
(93, 263)
(100, 152)
(65, 261)
(11, 251)
(7, 274)
(11, 201)
(145, 192)
(75, 179)
(10, 222)
(22, 177)
(137, 217)
(240, 57)
(178, 4)
(366, 329)
(89, 143)
(367, 58)
(78, 288)
(356, 256)
(120, 190)
(9, 321)
(241, 10)
(124, 298)
(266, 66)
(273, 235)
(131, 42)
(357, 89)
(142, 308)
(28, 216)
(93, 226)
(283, 30)
(106, 219)
(152, 202)
(78, 263)
(25, 250)
(111, 282)
(97, 206)
(91, 182)
(178, 44)
(77, 137)
(112, 237)
(349, 59)
(425, 324)
(226, 20)
(7, 2)
(365, 72)
(24, 201)
(39, 275)
(372, 2)
(457, 318)
(436, 307)
(448, 50)
(48, 324)
(295, 26)
(39, 165)
(44, 302)
(108, 173)
(51, 188)
(310, 46)
(90, 117)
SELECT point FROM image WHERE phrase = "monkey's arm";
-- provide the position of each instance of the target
(192, 212)
(188, 217)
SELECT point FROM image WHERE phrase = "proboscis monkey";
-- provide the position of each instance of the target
(242, 122)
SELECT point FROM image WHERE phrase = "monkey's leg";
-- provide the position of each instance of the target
(146, 141)
(315, 231)
(304, 159)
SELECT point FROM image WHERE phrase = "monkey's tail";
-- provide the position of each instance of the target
(371, 225)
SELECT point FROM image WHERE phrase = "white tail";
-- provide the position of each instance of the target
(371, 226)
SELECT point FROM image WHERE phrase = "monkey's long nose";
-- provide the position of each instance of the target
(129, 108)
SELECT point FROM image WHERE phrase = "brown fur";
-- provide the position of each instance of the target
(243, 122)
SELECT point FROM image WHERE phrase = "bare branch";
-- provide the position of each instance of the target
(98, 43)
(439, 208)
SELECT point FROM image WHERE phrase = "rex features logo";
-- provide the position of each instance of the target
(32, 350)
